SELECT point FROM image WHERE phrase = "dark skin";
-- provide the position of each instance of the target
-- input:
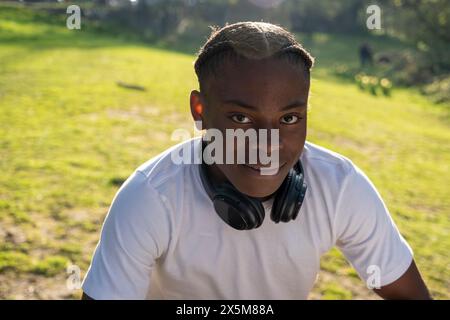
(271, 94)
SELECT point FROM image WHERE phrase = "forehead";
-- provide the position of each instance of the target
(259, 81)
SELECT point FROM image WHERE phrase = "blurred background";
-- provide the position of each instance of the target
(80, 109)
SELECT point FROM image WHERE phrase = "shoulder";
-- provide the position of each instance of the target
(166, 168)
(327, 157)
(325, 166)
(337, 171)
(339, 187)
(158, 186)
(148, 199)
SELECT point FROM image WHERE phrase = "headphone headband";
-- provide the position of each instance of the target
(244, 212)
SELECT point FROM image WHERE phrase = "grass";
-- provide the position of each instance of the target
(70, 135)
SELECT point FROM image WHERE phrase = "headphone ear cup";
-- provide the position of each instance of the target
(237, 210)
(294, 200)
(280, 198)
(288, 200)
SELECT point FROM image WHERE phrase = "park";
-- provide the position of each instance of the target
(70, 135)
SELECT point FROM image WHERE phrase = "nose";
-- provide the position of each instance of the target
(268, 145)
(268, 138)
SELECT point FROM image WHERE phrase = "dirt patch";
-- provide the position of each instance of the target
(357, 288)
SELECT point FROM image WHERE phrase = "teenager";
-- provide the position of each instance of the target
(227, 231)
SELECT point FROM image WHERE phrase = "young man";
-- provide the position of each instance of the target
(169, 235)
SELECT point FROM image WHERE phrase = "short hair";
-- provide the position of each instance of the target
(249, 40)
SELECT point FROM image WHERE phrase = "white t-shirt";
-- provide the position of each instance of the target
(162, 238)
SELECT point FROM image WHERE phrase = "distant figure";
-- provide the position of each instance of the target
(365, 55)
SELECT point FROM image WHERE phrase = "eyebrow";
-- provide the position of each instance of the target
(295, 104)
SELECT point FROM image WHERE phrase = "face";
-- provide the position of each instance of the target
(256, 94)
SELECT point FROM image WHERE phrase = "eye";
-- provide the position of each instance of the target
(240, 118)
(290, 119)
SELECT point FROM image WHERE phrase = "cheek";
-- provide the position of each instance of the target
(231, 172)
(220, 123)
(293, 141)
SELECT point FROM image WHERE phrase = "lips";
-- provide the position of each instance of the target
(253, 167)
(259, 167)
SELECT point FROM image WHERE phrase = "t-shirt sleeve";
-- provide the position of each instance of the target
(366, 233)
(135, 233)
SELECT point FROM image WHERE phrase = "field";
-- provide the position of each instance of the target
(70, 135)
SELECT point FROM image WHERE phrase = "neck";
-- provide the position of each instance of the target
(217, 177)
(265, 198)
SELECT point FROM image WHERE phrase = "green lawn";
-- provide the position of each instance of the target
(70, 135)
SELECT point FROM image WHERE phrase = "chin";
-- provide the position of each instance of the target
(252, 184)
(256, 189)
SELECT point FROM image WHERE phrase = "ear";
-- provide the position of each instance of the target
(197, 107)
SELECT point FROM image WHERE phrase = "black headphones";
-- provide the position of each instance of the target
(243, 212)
